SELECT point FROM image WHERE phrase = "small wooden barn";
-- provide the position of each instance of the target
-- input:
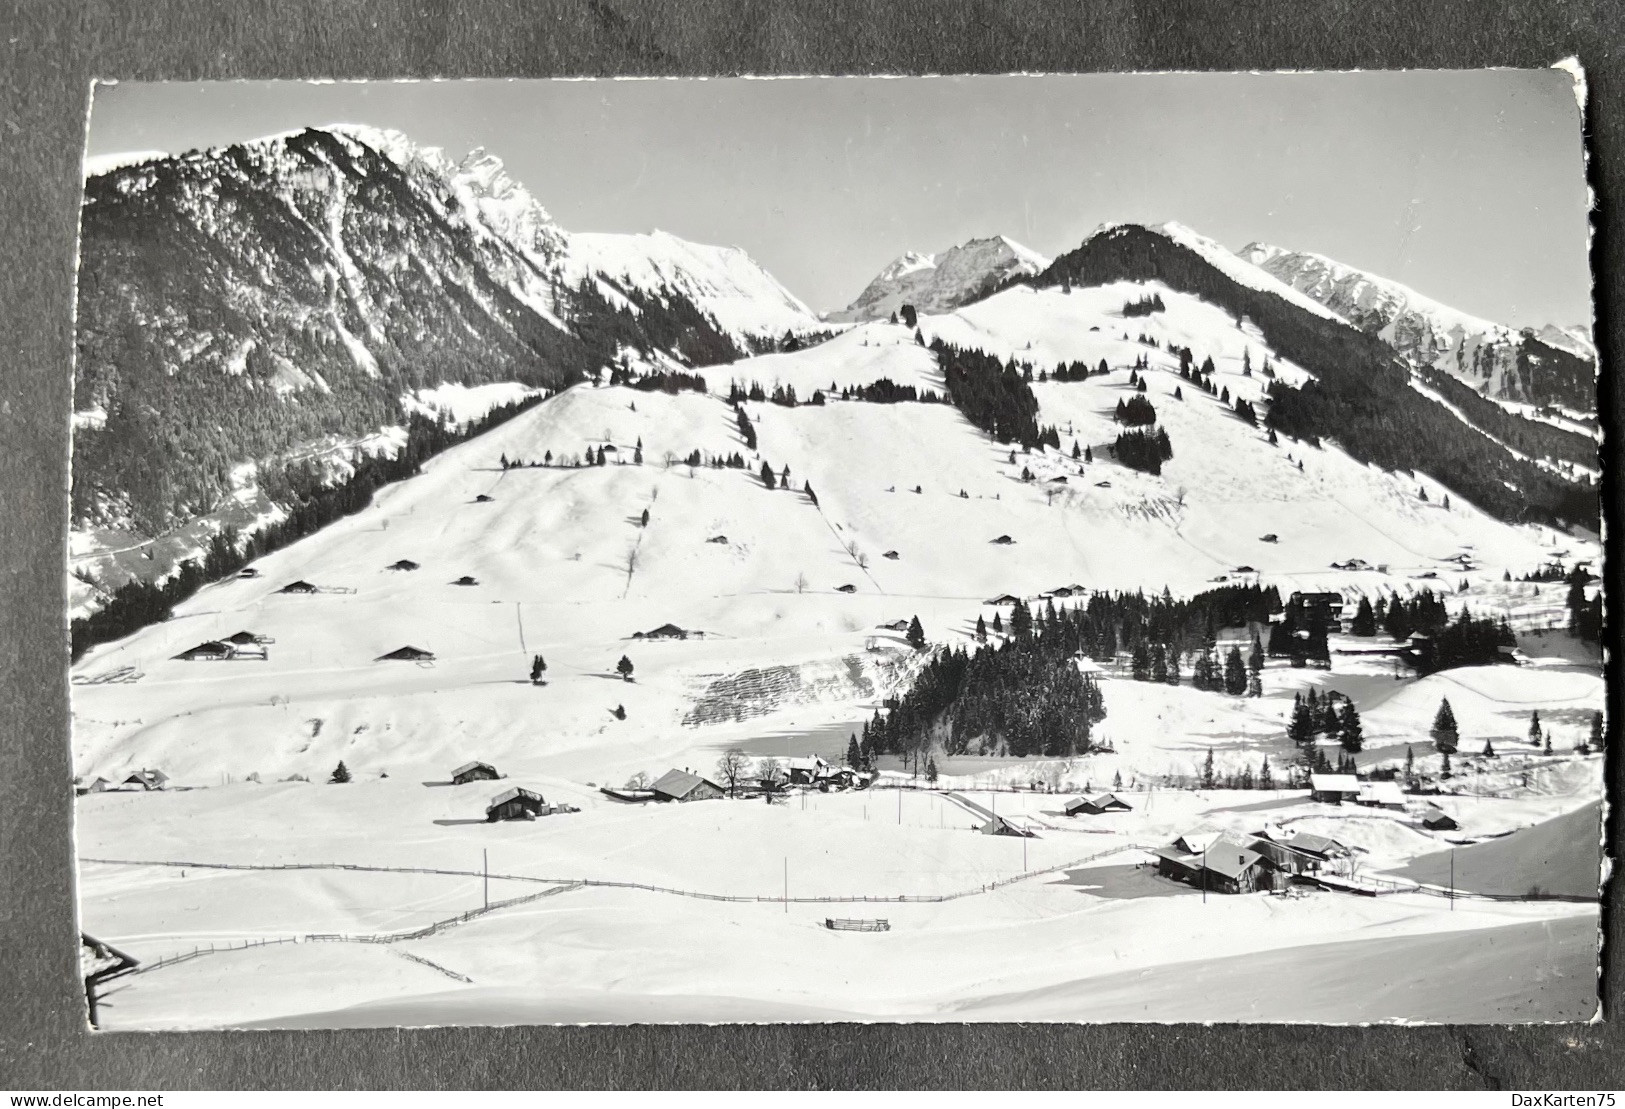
(474, 772)
(466, 579)
(681, 785)
(1436, 819)
(999, 826)
(407, 653)
(893, 555)
(298, 587)
(846, 588)
(517, 803)
(1096, 804)
(95, 785)
(664, 631)
(1002, 541)
(482, 499)
(1334, 789)
(211, 651)
(1003, 600)
(404, 565)
(1301, 852)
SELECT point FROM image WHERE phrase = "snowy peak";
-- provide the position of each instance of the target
(1549, 367)
(945, 281)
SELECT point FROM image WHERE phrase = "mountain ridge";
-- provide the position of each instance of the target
(943, 281)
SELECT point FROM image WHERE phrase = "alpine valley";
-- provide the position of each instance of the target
(378, 470)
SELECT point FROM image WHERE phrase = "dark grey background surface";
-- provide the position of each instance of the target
(50, 51)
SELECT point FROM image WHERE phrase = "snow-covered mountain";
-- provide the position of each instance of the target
(1546, 367)
(942, 282)
(243, 305)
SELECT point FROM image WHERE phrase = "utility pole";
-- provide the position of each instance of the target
(1204, 875)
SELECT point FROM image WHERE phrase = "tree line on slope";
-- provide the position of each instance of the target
(1360, 395)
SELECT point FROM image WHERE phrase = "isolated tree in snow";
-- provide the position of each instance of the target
(731, 767)
(981, 630)
(1350, 733)
(637, 454)
(1088, 454)
(1535, 734)
(916, 634)
(1410, 764)
(998, 624)
(644, 518)
(910, 320)
(1273, 439)
(767, 476)
(894, 317)
(1266, 779)
(341, 774)
(1489, 750)
(1548, 743)
(1140, 386)
(538, 670)
(618, 712)
(931, 769)
(624, 668)
(1077, 453)
(1179, 394)
(854, 758)
(1208, 779)
(1444, 733)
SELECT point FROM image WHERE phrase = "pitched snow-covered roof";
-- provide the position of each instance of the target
(1334, 783)
(1382, 793)
(512, 793)
(467, 766)
(680, 783)
(1229, 858)
(806, 762)
(1324, 846)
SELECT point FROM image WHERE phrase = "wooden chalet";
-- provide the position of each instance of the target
(664, 631)
(474, 772)
(404, 565)
(894, 626)
(717, 539)
(298, 587)
(1224, 865)
(1334, 789)
(1436, 819)
(467, 579)
(1300, 853)
(1381, 795)
(1003, 599)
(893, 555)
(1096, 804)
(681, 785)
(407, 653)
(517, 803)
(482, 499)
(805, 770)
(147, 780)
(96, 785)
(1002, 541)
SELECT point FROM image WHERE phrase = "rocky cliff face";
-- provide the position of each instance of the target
(239, 303)
(1498, 361)
(942, 282)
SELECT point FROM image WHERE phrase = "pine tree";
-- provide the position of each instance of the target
(1208, 781)
(1444, 733)
(637, 455)
(1117, 780)
(624, 668)
(1489, 750)
(538, 670)
(998, 624)
(981, 630)
(1159, 663)
(854, 757)
(1077, 452)
(1235, 673)
(1088, 454)
(644, 519)
(1021, 620)
(1300, 727)
(1173, 665)
(618, 712)
(1141, 664)
(931, 769)
(341, 773)
(1266, 778)
(767, 476)
(1410, 765)
(1365, 621)
(1535, 734)
(1350, 733)
(916, 634)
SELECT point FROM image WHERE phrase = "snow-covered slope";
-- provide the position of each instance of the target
(1499, 361)
(942, 282)
(909, 498)
(722, 281)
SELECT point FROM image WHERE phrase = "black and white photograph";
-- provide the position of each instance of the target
(1075, 548)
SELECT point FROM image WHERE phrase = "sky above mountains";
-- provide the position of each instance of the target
(1466, 185)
